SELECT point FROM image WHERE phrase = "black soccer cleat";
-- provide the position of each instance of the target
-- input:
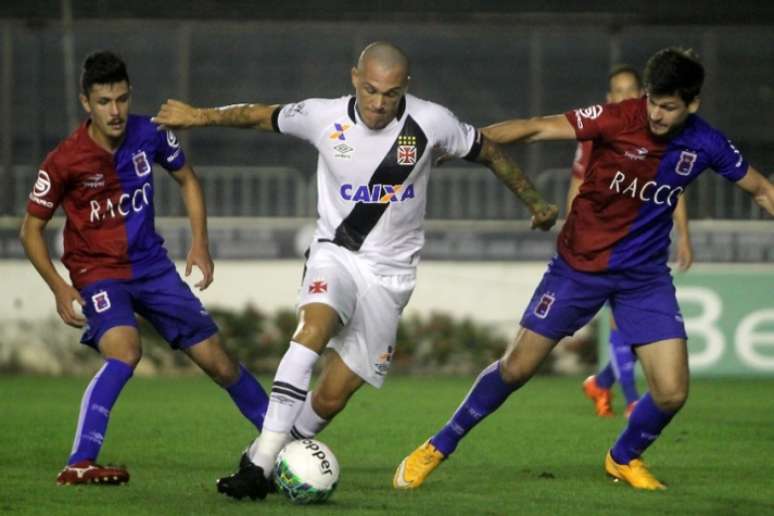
(248, 482)
(244, 462)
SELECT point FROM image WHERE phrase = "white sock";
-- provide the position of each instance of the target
(308, 423)
(285, 402)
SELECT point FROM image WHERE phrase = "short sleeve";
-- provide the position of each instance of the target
(169, 153)
(727, 160)
(48, 190)
(596, 122)
(297, 120)
(455, 138)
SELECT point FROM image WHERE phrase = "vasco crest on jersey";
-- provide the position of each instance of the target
(407, 150)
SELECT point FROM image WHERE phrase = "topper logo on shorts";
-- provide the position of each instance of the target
(101, 301)
(544, 305)
(383, 362)
(376, 194)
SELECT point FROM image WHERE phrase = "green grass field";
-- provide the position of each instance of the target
(540, 454)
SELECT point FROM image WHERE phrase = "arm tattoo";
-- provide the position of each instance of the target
(234, 115)
(509, 173)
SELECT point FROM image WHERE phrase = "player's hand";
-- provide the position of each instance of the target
(545, 217)
(65, 296)
(174, 114)
(684, 254)
(199, 256)
(441, 159)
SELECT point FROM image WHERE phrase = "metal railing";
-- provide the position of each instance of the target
(454, 193)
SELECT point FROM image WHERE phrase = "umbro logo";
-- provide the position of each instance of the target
(342, 151)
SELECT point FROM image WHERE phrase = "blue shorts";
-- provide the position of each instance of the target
(643, 302)
(164, 300)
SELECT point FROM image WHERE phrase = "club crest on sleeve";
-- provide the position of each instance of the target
(591, 113)
(685, 163)
(318, 287)
(141, 164)
(172, 139)
(42, 184)
(100, 301)
(407, 150)
(544, 305)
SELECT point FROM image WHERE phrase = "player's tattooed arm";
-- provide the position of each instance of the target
(761, 189)
(174, 114)
(555, 127)
(492, 155)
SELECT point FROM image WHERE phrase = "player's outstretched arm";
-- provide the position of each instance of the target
(174, 114)
(31, 236)
(760, 188)
(543, 214)
(193, 198)
(555, 127)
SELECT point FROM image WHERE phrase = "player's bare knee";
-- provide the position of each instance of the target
(671, 400)
(513, 373)
(327, 406)
(225, 372)
(312, 335)
(130, 355)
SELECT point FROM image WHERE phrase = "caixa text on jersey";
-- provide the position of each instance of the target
(377, 193)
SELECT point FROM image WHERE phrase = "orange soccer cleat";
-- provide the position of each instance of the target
(602, 398)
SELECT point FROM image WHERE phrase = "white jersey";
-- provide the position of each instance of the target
(372, 184)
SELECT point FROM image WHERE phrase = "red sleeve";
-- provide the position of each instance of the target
(582, 158)
(596, 122)
(48, 190)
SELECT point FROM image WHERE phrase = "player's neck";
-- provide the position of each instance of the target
(102, 140)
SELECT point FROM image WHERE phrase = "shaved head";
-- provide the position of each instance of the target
(384, 55)
(380, 79)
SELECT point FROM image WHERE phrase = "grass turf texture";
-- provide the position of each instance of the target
(541, 453)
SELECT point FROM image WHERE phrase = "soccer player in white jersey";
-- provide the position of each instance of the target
(375, 153)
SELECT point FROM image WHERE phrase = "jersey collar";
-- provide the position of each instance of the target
(354, 116)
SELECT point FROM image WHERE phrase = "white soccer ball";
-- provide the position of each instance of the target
(306, 471)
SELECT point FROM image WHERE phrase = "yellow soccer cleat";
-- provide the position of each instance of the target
(635, 473)
(414, 469)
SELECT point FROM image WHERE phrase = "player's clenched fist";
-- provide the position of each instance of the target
(545, 217)
(174, 114)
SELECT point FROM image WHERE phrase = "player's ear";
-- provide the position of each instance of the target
(693, 107)
(608, 98)
(84, 102)
(354, 77)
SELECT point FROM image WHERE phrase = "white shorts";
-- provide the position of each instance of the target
(368, 304)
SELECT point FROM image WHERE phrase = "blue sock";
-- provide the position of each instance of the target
(97, 401)
(624, 359)
(645, 425)
(488, 392)
(249, 397)
(606, 377)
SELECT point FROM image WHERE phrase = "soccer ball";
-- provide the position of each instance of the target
(306, 471)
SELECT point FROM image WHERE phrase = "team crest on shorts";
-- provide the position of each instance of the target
(544, 305)
(318, 287)
(407, 150)
(101, 301)
(383, 362)
(141, 165)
